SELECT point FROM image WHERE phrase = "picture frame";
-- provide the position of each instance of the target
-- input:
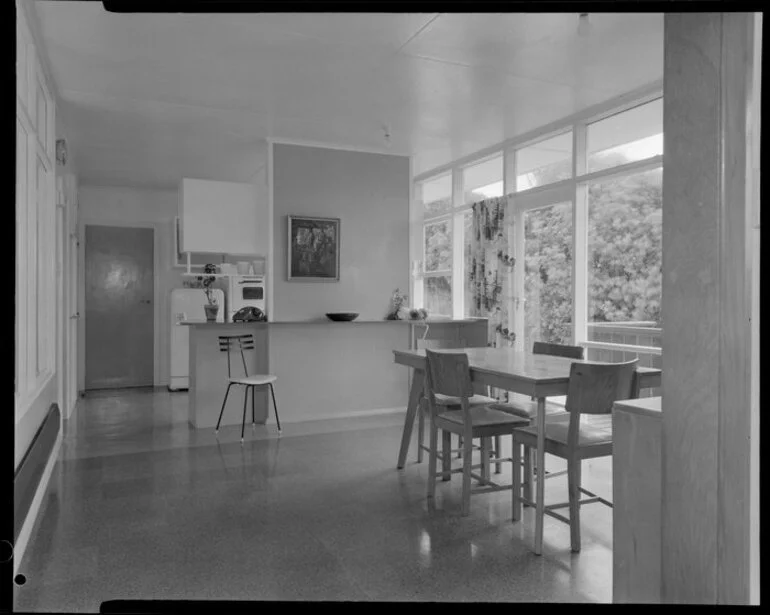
(313, 250)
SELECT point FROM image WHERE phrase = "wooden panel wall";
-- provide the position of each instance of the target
(705, 310)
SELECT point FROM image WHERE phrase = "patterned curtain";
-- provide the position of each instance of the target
(491, 269)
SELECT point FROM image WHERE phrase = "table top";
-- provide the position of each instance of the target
(540, 368)
(649, 406)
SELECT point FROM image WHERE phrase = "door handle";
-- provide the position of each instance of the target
(145, 301)
(75, 315)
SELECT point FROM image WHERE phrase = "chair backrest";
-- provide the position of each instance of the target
(594, 387)
(558, 350)
(235, 343)
(448, 373)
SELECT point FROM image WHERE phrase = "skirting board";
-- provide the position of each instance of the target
(25, 532)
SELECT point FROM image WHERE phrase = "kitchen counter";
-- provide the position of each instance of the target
(338, 370)
(326, 321)
(636, 496)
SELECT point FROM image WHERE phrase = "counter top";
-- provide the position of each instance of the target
(326, 321)
(646, 405)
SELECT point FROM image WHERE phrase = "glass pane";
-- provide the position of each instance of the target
(42, 111)
(483, 180)
(467, 262)
(548, 275)
(632, 135)
(38, 300)
(624, 259)
(437, 295)
(545, 162)
(435, 195)
(438, 246)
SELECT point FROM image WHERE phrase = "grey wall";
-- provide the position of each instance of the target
(370, 194)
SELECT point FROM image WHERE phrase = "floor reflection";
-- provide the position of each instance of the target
(142, 505)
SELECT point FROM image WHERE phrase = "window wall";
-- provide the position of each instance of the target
(586, 201)
(35, 225)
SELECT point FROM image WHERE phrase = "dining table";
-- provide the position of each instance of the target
(536, 375)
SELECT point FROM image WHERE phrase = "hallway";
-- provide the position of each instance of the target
(142, 506)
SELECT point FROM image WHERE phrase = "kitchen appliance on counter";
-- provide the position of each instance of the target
(245, 291)
(186, 304)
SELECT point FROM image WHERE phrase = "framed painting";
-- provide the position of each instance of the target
(314, 249)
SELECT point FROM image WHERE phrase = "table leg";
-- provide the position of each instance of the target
(415, 393)
(540, 475)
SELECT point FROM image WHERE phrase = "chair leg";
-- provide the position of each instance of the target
(516, 454)
(498, 454)
(446, 455)
(245, 400)
(459, 446)
(432, 455)
(420, 429)
(253, 405)
(528, 474)
(573, 482)
(467, 460)
(485, 450)
(223, 407)
(275, 407)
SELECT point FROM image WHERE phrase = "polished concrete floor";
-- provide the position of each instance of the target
(142, 506)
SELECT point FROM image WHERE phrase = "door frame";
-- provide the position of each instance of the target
(546, 196)
(156, 226)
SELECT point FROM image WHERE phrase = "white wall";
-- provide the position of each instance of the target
(122, 206)
(369, 193)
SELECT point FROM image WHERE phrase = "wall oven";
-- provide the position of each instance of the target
(243, 291)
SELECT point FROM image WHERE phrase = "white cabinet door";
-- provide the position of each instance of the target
(218, 217)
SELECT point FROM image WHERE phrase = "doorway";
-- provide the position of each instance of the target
(119, 292)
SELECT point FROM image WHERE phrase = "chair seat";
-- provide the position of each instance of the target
(254, 380)
(526, 407)
(598, 430)
(476, 400)
(482, 416)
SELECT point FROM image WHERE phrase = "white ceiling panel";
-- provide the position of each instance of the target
(150, 98)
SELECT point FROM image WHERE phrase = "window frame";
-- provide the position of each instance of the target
(35, 227)
(573, 189)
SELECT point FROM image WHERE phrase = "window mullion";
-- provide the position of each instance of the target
(458, 268)
(579, 238)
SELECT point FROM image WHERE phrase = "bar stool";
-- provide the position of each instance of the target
(234, 343)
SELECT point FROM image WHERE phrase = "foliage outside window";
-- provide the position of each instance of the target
(483, 180)
(545, 162)
(548, 274)
(435, 195)
(437, 295)
(625, 137)
(624, 249)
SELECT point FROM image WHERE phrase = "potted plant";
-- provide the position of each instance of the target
(212, 307)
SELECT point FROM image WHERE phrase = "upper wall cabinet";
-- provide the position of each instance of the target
(220, 217)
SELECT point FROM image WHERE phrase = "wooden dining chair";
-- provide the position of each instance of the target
(593, 389)
(449, 403)
(447, 375)
(526, 407)
(239, 343)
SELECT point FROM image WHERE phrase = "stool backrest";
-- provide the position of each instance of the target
(235, 343)
(558, 350)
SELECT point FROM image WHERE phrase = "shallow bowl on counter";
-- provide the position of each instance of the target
(342, 316)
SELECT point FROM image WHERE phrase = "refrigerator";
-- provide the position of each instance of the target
(187, 304)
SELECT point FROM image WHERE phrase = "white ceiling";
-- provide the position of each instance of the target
(150, 98)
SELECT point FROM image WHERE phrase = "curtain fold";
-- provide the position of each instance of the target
(491, 269)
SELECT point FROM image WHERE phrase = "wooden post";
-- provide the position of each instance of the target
(706, 309)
